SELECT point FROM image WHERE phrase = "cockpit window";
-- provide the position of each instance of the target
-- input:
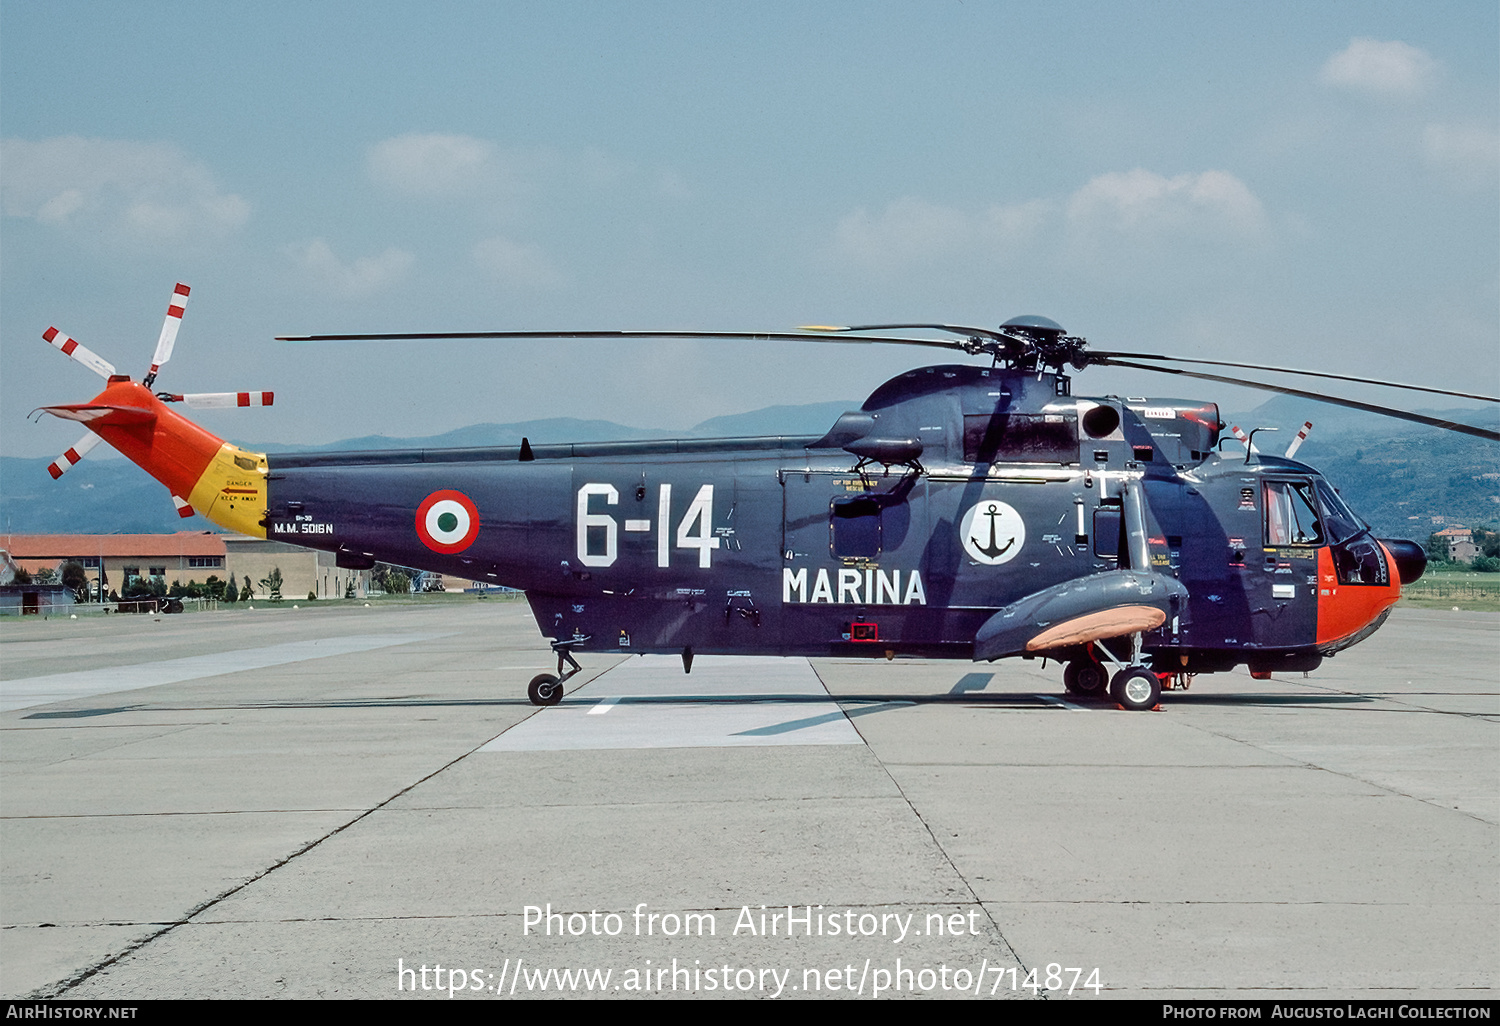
(1341, 521)
(1292, 514)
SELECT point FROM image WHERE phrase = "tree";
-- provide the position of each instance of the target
(272, 584)
(247, 592)
(231, 592)
(392, 580)
(75, 577)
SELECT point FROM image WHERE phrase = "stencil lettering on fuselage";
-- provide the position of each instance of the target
(598, 532)
(869, 586)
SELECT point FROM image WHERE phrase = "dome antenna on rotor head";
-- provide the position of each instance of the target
(1047, 344)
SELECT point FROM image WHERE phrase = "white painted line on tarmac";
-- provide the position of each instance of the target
(63, 687)
(727, 702)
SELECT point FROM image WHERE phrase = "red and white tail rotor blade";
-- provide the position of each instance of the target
(222, 400)
(175, 307)
(90, 359)
(69, 459)
(1291, 450)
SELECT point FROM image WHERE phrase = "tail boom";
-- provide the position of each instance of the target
(223, 482)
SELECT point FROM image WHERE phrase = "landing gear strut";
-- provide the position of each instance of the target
(547, 688)
(1134, 686)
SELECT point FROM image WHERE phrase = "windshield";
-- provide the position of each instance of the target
(1342, 522)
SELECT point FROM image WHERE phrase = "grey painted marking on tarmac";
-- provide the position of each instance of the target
(62, 687)
(725, 702)
(1054, 700)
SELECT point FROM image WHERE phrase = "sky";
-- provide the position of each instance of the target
(1310, 185)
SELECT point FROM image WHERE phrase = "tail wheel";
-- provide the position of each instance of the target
(1136, 688)
(1085, 677)
(544, 689)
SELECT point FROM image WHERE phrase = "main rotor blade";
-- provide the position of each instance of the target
(1101, 357)
(1386, 411)
(957, 329)
(755, 336)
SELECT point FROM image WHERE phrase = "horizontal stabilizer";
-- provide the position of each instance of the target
(1079, 612)
(100, 414)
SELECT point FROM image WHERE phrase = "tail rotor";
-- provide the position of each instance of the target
(115, 413)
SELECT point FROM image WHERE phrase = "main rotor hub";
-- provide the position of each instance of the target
(1040, 329)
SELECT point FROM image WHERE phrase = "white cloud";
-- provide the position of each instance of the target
(912, 231)
(1468, 153)
(434, 165)
(1142, 202)
(516, 265)
(1392, 69)
(364, 276)
(130, 192)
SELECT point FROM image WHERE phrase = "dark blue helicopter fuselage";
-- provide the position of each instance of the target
(953, 493)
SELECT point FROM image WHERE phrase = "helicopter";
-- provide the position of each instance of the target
(964, 511)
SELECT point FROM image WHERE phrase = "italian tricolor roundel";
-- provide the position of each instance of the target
(447, 521)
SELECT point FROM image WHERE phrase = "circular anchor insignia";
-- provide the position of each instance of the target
(992, 532)
(544, 689)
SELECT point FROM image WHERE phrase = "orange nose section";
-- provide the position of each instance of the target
(1346, 609)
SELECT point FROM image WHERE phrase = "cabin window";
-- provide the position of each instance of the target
(1022, 437)
(855, 527)
(1107, 533)
(1291, 514)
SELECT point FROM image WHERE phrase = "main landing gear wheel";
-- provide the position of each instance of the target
(1085, 677)
(1136, 688)
(544, 689)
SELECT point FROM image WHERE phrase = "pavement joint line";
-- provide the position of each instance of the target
(1297, 762)
(61, 987)
(1154, 902)
(930, 833)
